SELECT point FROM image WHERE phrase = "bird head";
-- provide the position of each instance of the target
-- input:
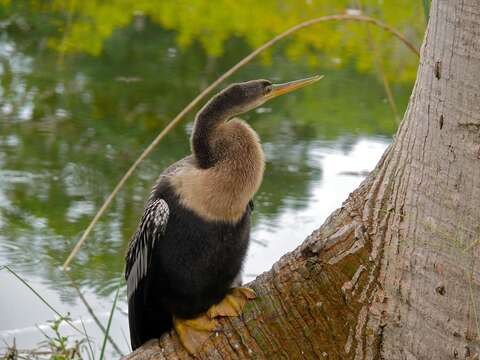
(249, 95)
(234, 100)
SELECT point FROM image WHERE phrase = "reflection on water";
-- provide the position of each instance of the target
(71, 124)
(342, 171)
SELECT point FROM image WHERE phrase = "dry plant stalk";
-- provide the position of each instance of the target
(204, 93)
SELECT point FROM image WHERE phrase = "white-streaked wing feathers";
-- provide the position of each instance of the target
(152, 227)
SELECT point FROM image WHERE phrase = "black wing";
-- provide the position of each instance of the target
(139, 255)
(138, 267)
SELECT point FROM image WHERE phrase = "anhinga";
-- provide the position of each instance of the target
(184, 260)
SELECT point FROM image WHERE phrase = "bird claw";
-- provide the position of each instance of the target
(249, 293)
(194, 332)
(233, 303)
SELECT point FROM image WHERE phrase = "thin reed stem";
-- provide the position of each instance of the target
(381, 70)
(206, 91)
(89, 343)
(92, 313)
(6, 267)
(110, 318)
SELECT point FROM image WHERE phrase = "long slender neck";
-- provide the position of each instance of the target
(222, 191)
(215, 112)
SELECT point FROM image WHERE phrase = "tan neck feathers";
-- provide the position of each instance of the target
(222, 192)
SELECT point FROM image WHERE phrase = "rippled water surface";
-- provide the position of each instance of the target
(77, 107)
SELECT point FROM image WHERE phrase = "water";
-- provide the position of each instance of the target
(77, 109)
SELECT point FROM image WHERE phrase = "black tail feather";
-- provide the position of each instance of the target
(145, 322)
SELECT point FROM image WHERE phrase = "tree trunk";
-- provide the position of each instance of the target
(395, 272)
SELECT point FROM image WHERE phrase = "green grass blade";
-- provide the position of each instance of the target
(114, 306)
(89, 343)
(6, 267)
(92, 313)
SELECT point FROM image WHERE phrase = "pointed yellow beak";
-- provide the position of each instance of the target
(281, 89)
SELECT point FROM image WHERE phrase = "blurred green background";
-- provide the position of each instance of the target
(86, 85)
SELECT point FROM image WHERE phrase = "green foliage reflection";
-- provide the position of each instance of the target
(75, 26)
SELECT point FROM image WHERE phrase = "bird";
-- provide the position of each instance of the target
(183, 263)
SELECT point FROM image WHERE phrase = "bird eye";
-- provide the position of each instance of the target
(267, 89)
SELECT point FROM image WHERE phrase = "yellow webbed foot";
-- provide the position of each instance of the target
(194, 332)
(233, 303)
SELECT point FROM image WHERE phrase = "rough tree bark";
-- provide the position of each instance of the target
(395, 272)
